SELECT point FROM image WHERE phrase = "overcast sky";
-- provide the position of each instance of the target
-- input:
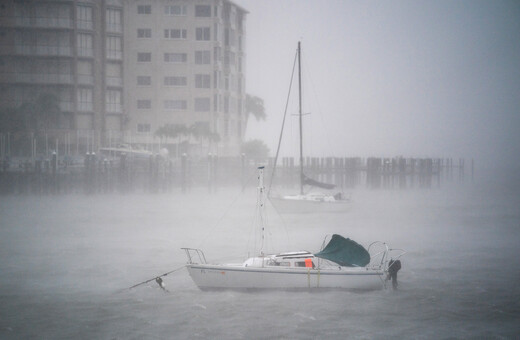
(389, 78)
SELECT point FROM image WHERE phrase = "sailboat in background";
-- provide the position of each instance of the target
(311, 201)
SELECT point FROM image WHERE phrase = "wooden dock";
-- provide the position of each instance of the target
(155, 175)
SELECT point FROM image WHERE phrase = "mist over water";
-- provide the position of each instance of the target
(65, 262)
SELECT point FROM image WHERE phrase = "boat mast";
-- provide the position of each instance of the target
(300, 114)
(261, 206)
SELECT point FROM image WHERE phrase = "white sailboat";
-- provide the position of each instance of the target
(310, 201)
(342, 264)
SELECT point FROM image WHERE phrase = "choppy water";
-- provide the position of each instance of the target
(65, 260)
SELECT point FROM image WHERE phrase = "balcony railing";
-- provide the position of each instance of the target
(114, 55)
(114, 81)
(47, 22)
(114, 28)
(85, 25)
(43, 78)
(54, 50)
(65, 51)
(115, 2)
(85, 79)
(67, 106)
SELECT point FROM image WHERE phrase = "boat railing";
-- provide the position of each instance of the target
(395, 254)
(195, 256)
(378, 253)
(381, 254)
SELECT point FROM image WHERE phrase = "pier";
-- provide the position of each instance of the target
(155, 174)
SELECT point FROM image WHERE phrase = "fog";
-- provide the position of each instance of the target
(410, 78)
(67, 261)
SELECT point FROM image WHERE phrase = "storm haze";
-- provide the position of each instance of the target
(425, 80)
(410, 78)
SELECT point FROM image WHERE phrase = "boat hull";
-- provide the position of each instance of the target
(208, 276)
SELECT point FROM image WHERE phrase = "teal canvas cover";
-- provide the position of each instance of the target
(345, 252)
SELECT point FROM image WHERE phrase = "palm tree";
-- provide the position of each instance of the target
(172, 131)
(255, 106)
(255, 149)
(200, 130)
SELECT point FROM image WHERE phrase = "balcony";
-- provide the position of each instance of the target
(44, 22)
(114, 55)
(114, 81)
(115, 2)
(35, 78)
(114, 108)
(67, 106)
(114, 28)
(84, 79)
(85, 25)
(30, 50)
(65, 51)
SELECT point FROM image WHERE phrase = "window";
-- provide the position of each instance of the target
(226, 104)
(202, 81)
(202, 57)
(203, 11)
(84, 99)
(144, 9)
(113, 72)
(217, 54)
(114, 48)
(232, 38)
(143, 104)
(175, 81)
(113, 20)
(144, 57)
(144, 80)
(175, 104)
(229, 58)
(113, 101)
(144, 128)
(175, 10)
(175, 34)
(84, 17)
(144, 33)
(202, 104)
(51, 15)
(202, 33)
(175, 57)
(85, 72)
(85, 45)
(216, 31)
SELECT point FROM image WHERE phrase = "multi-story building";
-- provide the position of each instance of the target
(184, 64)
(121, 69)
(72, 49)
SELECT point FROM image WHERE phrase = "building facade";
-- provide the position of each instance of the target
(122, 69)
(184, 64)
(72, 50)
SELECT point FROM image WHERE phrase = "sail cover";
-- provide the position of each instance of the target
(314, 183)
(345, 252)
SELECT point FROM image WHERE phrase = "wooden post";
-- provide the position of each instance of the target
(184, 160)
